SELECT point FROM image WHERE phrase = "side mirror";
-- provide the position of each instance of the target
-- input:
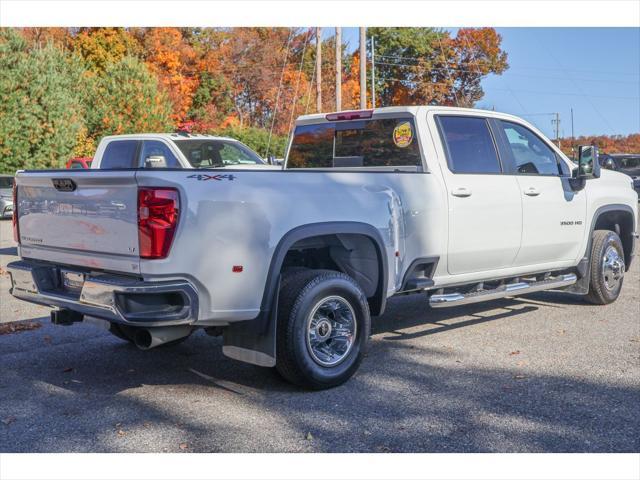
(588, 164)
(155, 161)
(271, 160)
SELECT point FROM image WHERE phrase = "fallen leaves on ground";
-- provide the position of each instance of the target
(515, 352)
(8, 420)
(16, 327)
(309, 436)
(519, 377)
(184, 446)
(121, 433)
(68, 370)
(47, 339)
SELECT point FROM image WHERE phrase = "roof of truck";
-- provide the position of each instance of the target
(413, 110)
(171, 136)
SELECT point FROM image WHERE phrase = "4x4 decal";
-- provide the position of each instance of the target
(205, 177)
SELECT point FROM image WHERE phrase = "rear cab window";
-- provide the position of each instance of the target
(378, 143)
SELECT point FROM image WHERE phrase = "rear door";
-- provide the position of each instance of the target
(553, 214)
(485, 209)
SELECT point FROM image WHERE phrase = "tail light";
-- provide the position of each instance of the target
(14, 217)
(349, 115)
(158, 211)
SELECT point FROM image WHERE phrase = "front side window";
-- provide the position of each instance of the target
(156, 154)
(469, 144)
(630, 163)
(120, 154)
(216, 153)
(386, 142)
(531, 155)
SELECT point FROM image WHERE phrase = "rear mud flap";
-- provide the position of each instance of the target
(253, 341)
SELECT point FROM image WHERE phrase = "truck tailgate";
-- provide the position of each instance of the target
(84, 217)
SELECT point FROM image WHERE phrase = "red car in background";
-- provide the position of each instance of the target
(79, 162)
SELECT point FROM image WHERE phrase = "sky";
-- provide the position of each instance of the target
(595, 71)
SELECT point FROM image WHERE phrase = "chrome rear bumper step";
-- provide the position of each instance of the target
(508, 290)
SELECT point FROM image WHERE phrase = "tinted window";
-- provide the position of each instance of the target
(630, 162)
(120, 154)
(6, 182)
(470, 147)
(76, 164)
(389, 142)
(530, 153)
(217, 153)
(152, 154)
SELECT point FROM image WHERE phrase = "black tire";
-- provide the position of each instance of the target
(300, 293)
(605, 283)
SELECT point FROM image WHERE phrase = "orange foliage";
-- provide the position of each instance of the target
(174, 62)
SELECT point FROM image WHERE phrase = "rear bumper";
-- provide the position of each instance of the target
(115, 298)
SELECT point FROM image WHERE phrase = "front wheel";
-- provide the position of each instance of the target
(323, 328)
(607, 268)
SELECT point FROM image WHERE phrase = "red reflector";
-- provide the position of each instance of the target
(349, 115)
(14, 216)
(158, 210)
(237, 269)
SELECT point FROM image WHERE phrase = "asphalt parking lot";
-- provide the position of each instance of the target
(542, 373)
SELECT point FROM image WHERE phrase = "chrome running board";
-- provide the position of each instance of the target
(508, 290)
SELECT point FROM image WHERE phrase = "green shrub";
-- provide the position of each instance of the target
(40, 111)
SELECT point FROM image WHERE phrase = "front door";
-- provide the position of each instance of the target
(553, 214)
(485, 208)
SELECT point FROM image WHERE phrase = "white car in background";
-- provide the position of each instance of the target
(6, 196)
(175, 150)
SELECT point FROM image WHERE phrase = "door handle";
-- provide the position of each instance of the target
(532, 192)
(461, 192)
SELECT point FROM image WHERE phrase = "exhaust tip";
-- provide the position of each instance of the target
(143, 339)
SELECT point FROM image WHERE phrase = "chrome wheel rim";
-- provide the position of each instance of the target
(331, 331)
(612, 268)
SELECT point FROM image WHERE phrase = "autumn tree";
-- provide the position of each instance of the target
(126, 99)
(427, 66)
(41, 115)
(173, 60)
(102, 46)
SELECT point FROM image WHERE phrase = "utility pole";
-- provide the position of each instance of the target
(363, 68)
(319, 69)
(373, 73)
(557, 124)
(338, 69)
(573, 138)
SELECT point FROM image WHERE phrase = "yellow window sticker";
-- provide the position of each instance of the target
(403, 135)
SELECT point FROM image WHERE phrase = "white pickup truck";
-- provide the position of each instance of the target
(175, 150)
(289, 265)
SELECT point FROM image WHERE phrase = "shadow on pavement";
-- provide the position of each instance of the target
(78, 388)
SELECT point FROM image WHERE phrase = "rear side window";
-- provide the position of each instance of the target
(389, 142)
(469, 145)
(120, 154)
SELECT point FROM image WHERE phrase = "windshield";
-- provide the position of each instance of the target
(6, 182)
(209, 153)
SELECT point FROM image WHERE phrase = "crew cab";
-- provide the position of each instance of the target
(175, 150)
(289, 266)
